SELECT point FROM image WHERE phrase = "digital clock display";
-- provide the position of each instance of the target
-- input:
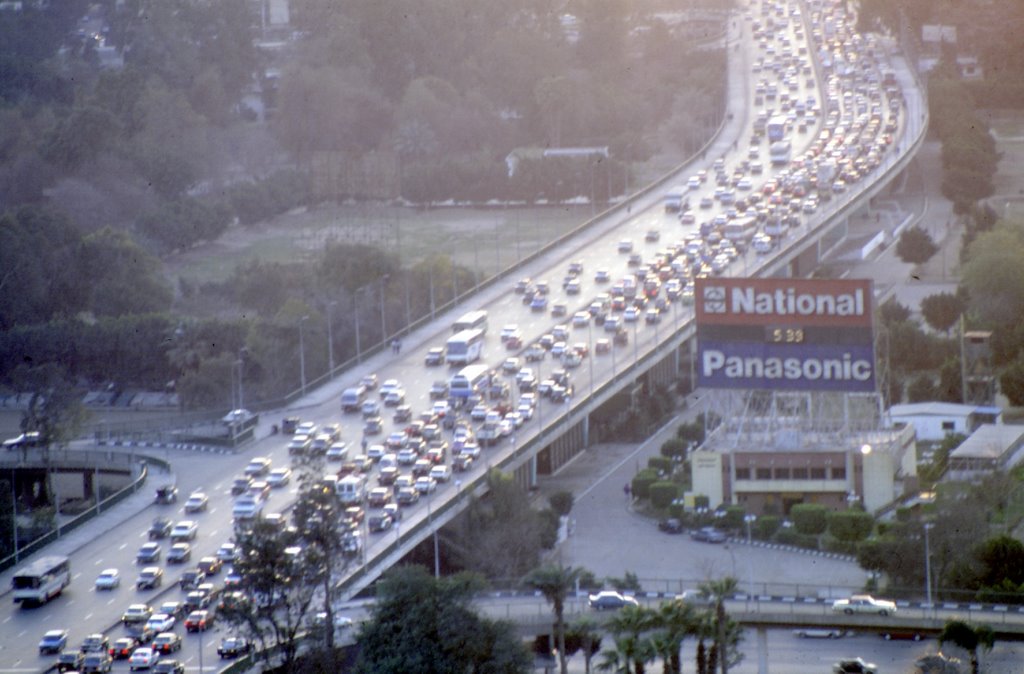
(784, 335)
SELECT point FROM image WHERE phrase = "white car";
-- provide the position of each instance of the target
(184, 530)
(197, 502)
(279, 477)
(581, 319)
(425, 484)
(143, 658)
(161, 622)
(508, 331)
(227, 552)
(864, 603)
(258, 466)
(108, 579)
(388, 386)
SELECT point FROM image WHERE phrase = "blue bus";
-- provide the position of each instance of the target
(464, 347)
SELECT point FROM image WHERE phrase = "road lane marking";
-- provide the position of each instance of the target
(123, 546)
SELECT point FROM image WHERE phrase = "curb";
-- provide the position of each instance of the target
(208, 449)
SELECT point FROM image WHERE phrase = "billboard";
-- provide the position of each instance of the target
(788, 334)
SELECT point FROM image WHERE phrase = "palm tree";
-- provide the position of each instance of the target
(629, 627)
(555, 582)
(676, 619)
(719, 591)
(584, 630)
(968, 638)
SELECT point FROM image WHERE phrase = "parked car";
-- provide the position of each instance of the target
(709, 535)
(671, 526)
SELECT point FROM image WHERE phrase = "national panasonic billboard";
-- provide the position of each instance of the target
(789, 334)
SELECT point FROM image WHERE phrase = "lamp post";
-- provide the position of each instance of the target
(928, 564)
(748, 520)
(590, 353)
(430, 518)
(330, 338)
(383, 319)
(302, 354)
(635, 347)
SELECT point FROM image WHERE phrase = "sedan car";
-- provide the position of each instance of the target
(108, 579)
(149, 578)
(819, 632)
(143, 658)
(210, 565)
(53, 641)
(279, 477)
(199, 621)
(855, 666)
(227, 552)
(185, 530)
(197, 502)
(122, 648)
(179, 553)
(136, 613)
(709, 535)
(232, 647)
(161, 622)
(169, 667)
(864, 603)
(671, 526)
(70, 661)
(258, 466)
(609, 599)
(166, 642)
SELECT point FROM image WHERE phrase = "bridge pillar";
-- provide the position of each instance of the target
(762, 650)
(532, 467)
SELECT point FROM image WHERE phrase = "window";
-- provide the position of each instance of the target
(782, 473)
(742, 473)
(800, 473)
(948, 426)
(817, 473)
(839, 473)
(764, 473)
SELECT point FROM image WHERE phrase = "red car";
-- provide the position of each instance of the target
(199, 621)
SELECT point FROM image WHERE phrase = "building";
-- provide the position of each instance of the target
(989, 449)
(767, 467)
(933, 421)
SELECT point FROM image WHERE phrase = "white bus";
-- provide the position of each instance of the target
(464, 347)
(42, 580)
(474, 320)
(468, 381)
(741, 230)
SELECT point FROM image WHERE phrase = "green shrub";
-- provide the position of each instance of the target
(675, 447)
(733, 518)
(677, 510)
(850, 525)
(795, 538)
(661, 464)
(561, 502)
(662, 493)
(642, 482)
(810, 519)
(765, 527)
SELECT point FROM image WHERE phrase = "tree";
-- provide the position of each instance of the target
(810, 519)
(850, 526)
(675, 620)
(942, 310)
(893, 312)
(555, 582)
(582, 633)
(632, 651)
(278, 595)
(423, 624)
(916, 246)
(993, 276)
(727, 634)
(1011, 381)
(55, 409)
(969, 638)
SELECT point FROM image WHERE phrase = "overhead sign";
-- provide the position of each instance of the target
(790, 334)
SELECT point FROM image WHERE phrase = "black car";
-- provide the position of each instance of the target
(671, 526)
(289, 424)
(855, 666)
(232, 647)
(160, 528)
(167, 494)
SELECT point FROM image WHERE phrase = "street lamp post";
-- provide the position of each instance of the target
(590, 353)
(383, 319)
(635, 347)
(330, 338)
(302, 354)
(928, 564)
(430, 519)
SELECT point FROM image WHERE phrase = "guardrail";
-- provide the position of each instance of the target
(65, 528)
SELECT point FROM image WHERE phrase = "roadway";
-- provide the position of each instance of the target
(83, 610)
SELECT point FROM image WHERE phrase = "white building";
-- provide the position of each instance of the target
(933, 421)
(988, 450)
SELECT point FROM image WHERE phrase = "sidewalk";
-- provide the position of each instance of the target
(96, 528)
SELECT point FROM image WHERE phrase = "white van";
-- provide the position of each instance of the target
(352, 398)
(351, 489)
